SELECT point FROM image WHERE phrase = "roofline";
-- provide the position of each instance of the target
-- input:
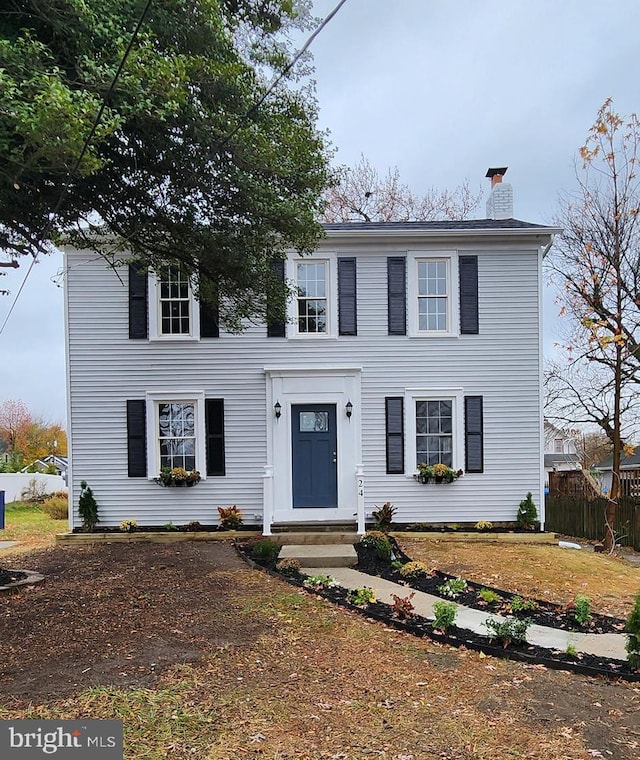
(540, 232)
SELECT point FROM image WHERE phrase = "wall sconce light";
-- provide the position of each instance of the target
(277, 409)
(349, 409)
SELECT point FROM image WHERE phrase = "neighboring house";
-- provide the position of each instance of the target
(629, 473)
(406, 342)
(560, 453)
(61, 465)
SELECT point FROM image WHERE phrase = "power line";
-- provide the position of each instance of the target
(280, 76)
(65, 190)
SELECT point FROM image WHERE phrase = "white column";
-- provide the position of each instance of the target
(267, 498)
(360, 487)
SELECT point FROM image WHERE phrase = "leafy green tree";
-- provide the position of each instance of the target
(191, 163)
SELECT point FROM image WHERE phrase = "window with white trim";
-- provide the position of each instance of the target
(174, 315)
(433, 298)
(558, 446)
(434, 424)
(434, 432)
(312, 287)
(433, 295)
(313, 312)
(176, 431)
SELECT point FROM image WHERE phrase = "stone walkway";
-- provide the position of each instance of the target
(600, 644)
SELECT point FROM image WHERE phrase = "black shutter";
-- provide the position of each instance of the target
(347, 297)
(209, 326)
(468, 272)
(138, 302)
(214, 422)
(136, 439)
(275, 323)
(397, 295)
(394, 423)
(473, 443)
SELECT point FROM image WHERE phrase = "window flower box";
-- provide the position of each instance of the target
(177, 476)
(436, 473)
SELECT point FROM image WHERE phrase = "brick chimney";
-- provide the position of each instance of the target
(500, 202)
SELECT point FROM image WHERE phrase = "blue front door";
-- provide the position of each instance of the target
(313, 443)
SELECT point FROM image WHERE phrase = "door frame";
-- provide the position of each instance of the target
(311, 385)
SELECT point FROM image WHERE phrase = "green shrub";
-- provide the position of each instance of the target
(415, 569)
(445, 615)
(518, 604)
(87, 507)
(507, 630)
(527, 513)
(170, 526)
(397, 564)
(452, 588)
(361, 596)
(489, 596)
(581, 609)
(632, 629)
(383, 516)
(265, 550)
(378, 541)
(56, 508)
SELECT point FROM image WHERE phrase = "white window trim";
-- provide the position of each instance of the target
(330, 259)
(453, 296)
(155, 319)
(153, 400)
(456, 396)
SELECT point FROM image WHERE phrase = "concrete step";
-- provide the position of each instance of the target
(315, 538)
(322, 555)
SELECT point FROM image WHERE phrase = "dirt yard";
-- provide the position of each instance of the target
(204, 657)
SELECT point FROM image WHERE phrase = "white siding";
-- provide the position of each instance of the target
(501, 364)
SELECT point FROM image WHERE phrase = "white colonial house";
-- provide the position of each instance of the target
(406, 343)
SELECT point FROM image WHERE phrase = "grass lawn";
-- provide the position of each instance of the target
(29, 525)
(205, 658)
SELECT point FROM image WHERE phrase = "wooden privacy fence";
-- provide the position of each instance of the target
(584, 518)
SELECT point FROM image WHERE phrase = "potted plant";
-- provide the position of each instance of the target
(177, 476)
(439, 473)
(425, 472)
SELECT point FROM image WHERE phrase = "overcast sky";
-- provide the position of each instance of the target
(442, 89)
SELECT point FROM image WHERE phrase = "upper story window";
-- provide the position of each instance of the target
(312, 297)
(433, 293)
(175, 303)
(558, 446)
(173, 312)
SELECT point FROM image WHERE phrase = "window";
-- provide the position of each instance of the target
(176, 315)
(313, 313)
(434, 428)
(558, 447)
(433, 300)
(175, 303)
(312, 297)
(176, 431)
(177, 435)
(433, 306)
(434, 432)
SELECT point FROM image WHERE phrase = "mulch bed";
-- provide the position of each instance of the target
(545, 613)
(369, 563)
(10, 576)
